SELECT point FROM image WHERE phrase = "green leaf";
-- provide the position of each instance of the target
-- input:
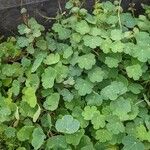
(69, 5)
(35, 27)
(96, 74)
(21, 148)
(29, 96)
(46, 121)
(142, 50)
(23, 29)
(37, 114)
(25, 133)
(142, 37)
(63, 33)
(51, 43)
(67, 95)
(52, 102)
(103, 135)
(26, 110)
(75, 38)
(52, 59)
(33, 81)
(121, 107)
(91, 19)
(83, 86)
(106, 45)
(56, 142)
(117, 46)
(76, 113)
(38, 137)
(134, 71)
(98, 121)
(95, 31)
(85, 142)
(38, 61)
(92, 41)
(114, 90)
(25, 62)
(116, 35)
(141, 133)
(75, 138)
(115, 126)
(128, 20)
(5, 112)
(13, 69)
(86, 61)
(68, 52)
(131, 143)
(48, 77)
(135, 88)
(22, 42)
(41, 44)
(82, 27)
(15, 87)
(10, 132)
(67, 125)
(62, 72)
(89, 112)
(94, 99)
(112, 62)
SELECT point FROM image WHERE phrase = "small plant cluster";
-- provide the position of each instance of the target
(83, 85)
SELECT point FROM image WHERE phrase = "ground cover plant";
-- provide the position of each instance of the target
(83, 85)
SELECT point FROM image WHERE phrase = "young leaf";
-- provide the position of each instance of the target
(89, 112)
(98, 121)
(29, 96)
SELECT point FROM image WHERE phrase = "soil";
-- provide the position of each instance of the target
(11, 17)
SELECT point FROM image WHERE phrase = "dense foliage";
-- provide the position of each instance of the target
(83, 85)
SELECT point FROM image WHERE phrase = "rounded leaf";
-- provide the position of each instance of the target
(67, 124)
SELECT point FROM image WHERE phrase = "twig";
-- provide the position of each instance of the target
(139, 102)
(119, 19)
(95, 52)
(147, 101)
(60, 9)
(46, 17)
(1, 37)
